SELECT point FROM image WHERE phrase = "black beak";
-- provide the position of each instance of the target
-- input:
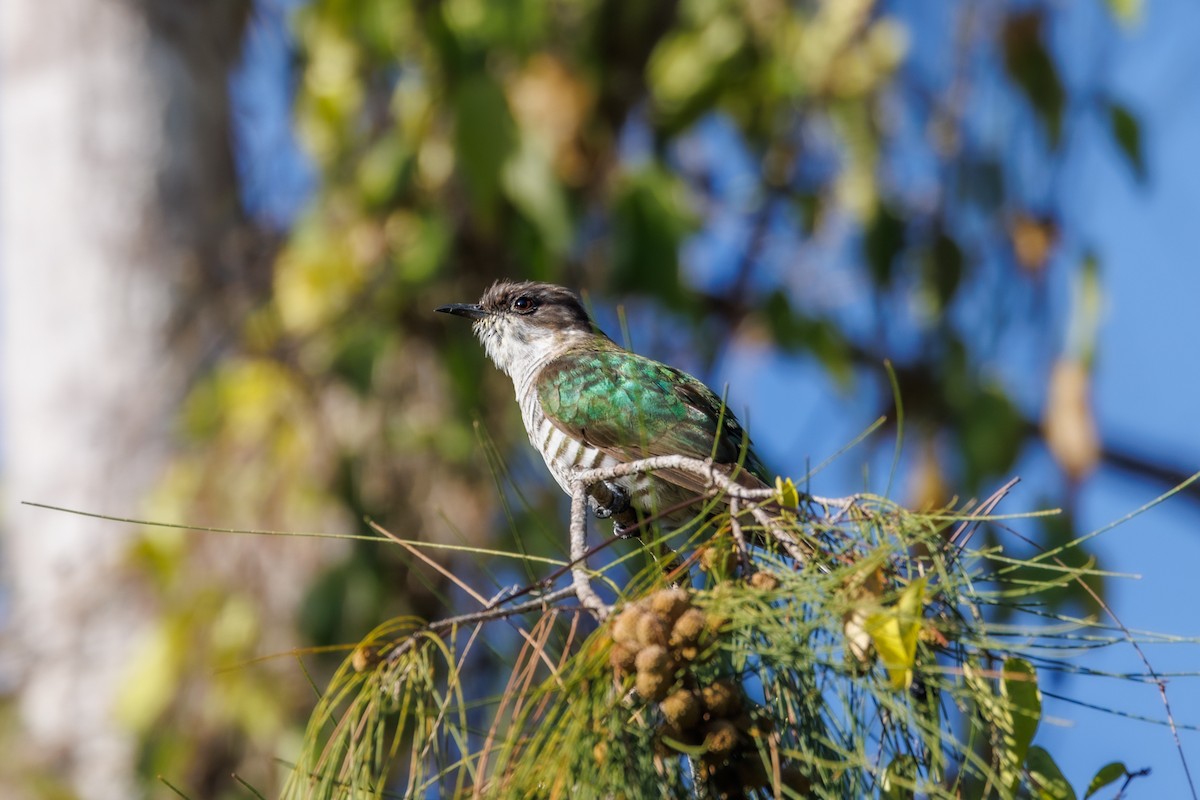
(469, 310)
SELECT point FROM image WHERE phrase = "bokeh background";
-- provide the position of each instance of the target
(224, 227)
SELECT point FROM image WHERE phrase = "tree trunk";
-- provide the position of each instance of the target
(118, 221)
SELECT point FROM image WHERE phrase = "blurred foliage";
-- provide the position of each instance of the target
(462, 141)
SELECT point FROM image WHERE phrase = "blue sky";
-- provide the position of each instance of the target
(1147, 391)
(1147, 380)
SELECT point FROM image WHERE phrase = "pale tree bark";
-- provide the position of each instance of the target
(119, 224)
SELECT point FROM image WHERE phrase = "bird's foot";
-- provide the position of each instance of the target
(609, 499)
(626, 531)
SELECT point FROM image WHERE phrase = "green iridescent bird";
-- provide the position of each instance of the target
(588, 403)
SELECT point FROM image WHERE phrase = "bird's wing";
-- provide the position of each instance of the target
(633, 407)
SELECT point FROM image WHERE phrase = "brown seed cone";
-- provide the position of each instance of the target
(681, 710)
(364, 657)
(652, 659)
(650, 630)
(721, 739)
(688, 628)
(653, 685)
(718, 559)
(624, 627)
(669, 604)
(722, 699)
(622, 658)
(764, 581)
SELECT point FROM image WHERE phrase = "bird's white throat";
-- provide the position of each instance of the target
(519, 349)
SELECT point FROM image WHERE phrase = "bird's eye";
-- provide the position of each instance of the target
(524, 304)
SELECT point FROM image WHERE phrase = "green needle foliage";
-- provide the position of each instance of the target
(874, 669)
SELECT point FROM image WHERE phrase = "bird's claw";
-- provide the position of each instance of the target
(609, 499)
(625, 531)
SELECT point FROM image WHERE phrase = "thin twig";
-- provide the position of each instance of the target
(968, 526)
(484, 615)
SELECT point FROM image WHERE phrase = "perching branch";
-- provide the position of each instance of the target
(579, 574)
(715, 480)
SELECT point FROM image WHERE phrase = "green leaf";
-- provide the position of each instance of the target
(484, 137)
(1020, 689)
(991, 431)
(1014, 714)
(531, 185)
(822, 338)
(1032, 69)
(1127, 133)
(1047, 779)
(381, 170)
(944, 269)
(359, 347)
(1110, 772)
(651, 217)
(688, 67)
(883, 243)
(418, 244)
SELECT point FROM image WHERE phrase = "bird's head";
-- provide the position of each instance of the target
(519, 323)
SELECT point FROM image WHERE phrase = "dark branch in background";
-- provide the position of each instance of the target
(1139, 466)
(924, 400)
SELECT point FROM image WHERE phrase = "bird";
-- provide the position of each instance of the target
(589, 403)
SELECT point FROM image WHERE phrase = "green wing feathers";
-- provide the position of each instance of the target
(634, 407)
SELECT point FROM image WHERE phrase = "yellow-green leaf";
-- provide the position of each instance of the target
(912, 604)
(788, 495)
(895, 631)
(1024, 706)
(1047, 779)
(153, 677)
(1112, 771)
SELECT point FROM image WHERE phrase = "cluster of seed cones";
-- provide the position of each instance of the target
(654, 637)
(660, 641)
